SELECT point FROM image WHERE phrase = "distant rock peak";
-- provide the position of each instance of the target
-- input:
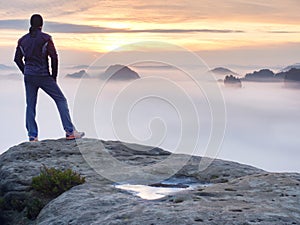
(223, 71)
(120, 72)
(232, 81)
(80, 74)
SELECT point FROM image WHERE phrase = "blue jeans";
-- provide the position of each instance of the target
(47, 84)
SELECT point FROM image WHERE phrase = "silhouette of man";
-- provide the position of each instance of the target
(36, 47)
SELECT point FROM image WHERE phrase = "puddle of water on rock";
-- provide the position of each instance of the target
(160, 190)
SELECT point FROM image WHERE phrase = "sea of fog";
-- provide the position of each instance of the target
(262, 119)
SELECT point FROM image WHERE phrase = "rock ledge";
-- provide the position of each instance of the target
(239, 194)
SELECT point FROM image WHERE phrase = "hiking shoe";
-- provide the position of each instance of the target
(33, 139)
(74, 135)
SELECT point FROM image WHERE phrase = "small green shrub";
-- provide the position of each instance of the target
(34, 206)
(2, 203)
(214, 176)
(53, 182)
(17, 204)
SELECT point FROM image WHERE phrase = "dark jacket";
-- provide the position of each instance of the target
(35, 47)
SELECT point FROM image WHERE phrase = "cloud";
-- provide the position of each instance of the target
(50, 8)
(14, 24)
(168, 11)
(283, 32)
(55, 27)
(185, 31)
(277, 11)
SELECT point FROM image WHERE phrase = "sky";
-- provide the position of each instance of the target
(222, 32)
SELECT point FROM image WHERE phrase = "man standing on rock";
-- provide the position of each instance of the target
(35, 47)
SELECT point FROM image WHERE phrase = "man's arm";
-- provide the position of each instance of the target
(54, 59)
(19, 58)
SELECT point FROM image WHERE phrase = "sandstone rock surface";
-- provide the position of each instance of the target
(237, 194)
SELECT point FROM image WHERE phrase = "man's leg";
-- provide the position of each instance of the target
(51, 88)
(31, 97)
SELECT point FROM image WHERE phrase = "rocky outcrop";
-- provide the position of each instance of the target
(264, 75)
(294, 66)
(232, 81)
(280, 76)
(292, 78)
(236, 194)
(119, 72)
(222, 71)
(78, 75)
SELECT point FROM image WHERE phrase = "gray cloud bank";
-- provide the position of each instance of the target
(55, 27)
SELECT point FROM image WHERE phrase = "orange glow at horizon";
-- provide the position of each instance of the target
(260, 23)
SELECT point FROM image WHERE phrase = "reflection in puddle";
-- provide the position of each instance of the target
(148, 192)
(160, 190)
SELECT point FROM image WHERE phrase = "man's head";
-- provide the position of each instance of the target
(36, 20)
